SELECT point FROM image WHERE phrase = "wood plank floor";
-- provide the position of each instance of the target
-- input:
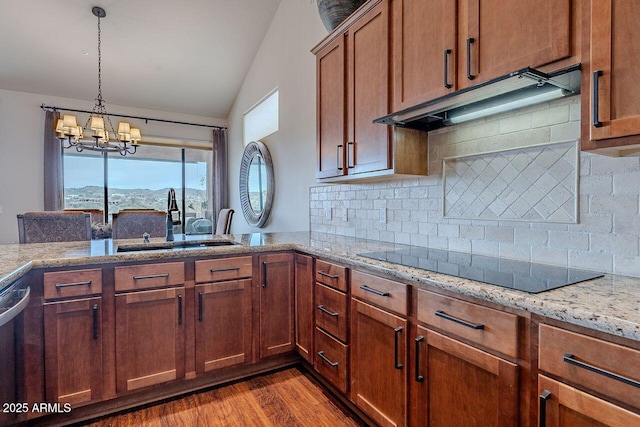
(285, 398)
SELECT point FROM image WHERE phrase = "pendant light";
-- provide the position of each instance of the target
(124, 141)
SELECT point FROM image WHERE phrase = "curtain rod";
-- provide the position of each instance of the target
(146, 119)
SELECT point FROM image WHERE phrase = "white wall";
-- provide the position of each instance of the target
(284, 61)
(21, 147)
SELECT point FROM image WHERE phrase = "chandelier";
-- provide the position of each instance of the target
(125, 141)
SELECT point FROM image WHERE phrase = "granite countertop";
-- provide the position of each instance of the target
(610, 304)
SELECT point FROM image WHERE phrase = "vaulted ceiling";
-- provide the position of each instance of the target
(180, 56)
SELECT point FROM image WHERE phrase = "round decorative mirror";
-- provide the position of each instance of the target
(256, 183)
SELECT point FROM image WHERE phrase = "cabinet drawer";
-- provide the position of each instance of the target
(331, 275)
(65, 284)
(490, 328)
(383, 292)
(148, 276)
(331, 311)
(331, 359)
(601, 366)
(215, 270)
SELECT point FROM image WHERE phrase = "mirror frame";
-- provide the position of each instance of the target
(250, 151)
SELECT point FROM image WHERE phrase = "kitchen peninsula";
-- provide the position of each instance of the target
(281, 282)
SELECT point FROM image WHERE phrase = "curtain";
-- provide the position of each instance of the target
(53, 186)
(219, 164)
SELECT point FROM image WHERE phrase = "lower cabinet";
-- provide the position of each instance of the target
(73, 351)
(223, 324)
(149, 338)
(276, 281)
(459, 385)
(304, 306)
(378, 363)
(331, 359)
(564, 406)
(591, 371)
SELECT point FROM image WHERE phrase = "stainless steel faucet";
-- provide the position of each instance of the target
(173, 214)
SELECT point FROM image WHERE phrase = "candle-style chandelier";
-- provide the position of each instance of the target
(125, 140)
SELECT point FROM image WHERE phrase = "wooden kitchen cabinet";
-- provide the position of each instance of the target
(611, 105)
(352, 90)
(222, 312)
(73, 351)
(379, 363)
(564, 406)
(456, 380)
(424, 51)
(223, 324)
(600, 368)
(496, 37)
(304, 328)
(73, 336)
(149, 338)
(457, 384)
(276, 280)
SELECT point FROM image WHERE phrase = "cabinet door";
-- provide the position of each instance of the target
(276, 304)
(331, 109)
(562, 405)
(223, 324)
(378, 361)
(73, 351)
(368, 148)
(501, 36)
(615, 47)
(420, 50)
(304, 306)
(457, 384)
(149, 338)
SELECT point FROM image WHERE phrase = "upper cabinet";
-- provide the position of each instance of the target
(353, 89)
(497, 37)
(424, 55)
(442, 46)
(611, 106)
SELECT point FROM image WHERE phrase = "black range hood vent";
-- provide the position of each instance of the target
(519, 89)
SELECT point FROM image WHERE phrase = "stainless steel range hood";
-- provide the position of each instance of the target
(515, 90)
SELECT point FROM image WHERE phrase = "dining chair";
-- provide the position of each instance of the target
(223, 225)
(53, 226)
(133, 223)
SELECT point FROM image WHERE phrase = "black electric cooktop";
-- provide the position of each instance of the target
(519, 275)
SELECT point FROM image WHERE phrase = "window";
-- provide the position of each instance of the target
(262, 119)
(142, 181)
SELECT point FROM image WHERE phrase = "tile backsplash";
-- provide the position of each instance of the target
(606, 237)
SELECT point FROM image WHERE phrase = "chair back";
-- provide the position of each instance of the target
(223, 225)
(54, 226)
(97, 215)
(132, 224)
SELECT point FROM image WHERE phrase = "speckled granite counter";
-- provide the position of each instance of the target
(609, 304)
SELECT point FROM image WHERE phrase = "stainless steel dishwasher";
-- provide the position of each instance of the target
(13, 299)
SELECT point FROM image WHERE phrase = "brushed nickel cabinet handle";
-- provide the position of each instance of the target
(70, 285)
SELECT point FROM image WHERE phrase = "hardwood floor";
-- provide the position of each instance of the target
(285, 398)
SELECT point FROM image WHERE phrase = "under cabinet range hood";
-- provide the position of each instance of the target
(515, 90)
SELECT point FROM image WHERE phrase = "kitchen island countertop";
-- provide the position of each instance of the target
(609, 304)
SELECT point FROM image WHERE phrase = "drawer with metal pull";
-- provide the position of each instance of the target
(74, 283)
(383, 292)
(148, 276)
(215, 270)
(331, 359)
(601, 366)
(331, 311)
(331, 275)
(493, 329)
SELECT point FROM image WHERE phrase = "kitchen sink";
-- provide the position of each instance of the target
(190, 244)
